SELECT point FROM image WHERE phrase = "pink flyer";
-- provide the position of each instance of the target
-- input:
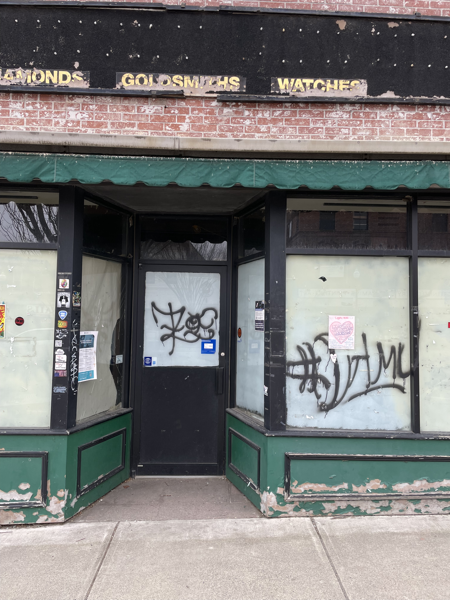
(341, 332)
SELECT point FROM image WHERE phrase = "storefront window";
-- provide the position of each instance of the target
(104, 229)
(252, 233)
(27, 315)
(102, 338)
(184, 239)
(434, 343)
(348, 352)
(346, 224)
(28, 217)
(434, 224)
(250, 337)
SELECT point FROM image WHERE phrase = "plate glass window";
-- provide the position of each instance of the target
(347, 224)
(332, 380)
(28, 216)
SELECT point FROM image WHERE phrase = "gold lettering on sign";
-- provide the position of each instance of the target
(44, 77)
(328, 88)
(189, 85)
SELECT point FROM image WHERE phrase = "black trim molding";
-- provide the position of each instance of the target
(34, 503)
(81, 491)
(307, 497)
(238, 472)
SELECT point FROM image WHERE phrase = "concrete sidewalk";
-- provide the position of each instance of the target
(357, 558)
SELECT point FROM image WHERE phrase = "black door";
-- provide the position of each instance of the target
(183, 356)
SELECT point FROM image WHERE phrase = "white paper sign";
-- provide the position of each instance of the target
(88, 356)
(341, 332)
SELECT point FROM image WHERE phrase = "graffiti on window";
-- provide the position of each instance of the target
(185, 326)
(321, 373)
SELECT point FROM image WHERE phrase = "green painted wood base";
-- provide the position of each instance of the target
(81, 468)
(307, 476)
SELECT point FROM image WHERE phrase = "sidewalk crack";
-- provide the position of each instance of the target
(336, 574)
(88, 593)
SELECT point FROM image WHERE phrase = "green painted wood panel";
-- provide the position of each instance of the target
(100, 460)
(245, 459)
(20, 479)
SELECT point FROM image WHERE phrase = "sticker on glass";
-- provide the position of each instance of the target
(259, 315)
(64, 284)
(63, 299)
(76, 299)
(150, 361)
(19, 321)
(62, 314)
(62, 324)
(58, 343)
(341, 332)
(208, 347)
(2, 320)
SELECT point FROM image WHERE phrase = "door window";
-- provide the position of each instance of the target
(181, 320)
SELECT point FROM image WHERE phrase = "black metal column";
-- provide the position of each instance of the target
(275, 313)
(414, 316)
(68, 300)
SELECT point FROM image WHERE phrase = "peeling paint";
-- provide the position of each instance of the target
(421, 485)
(375, 484)
(56, 507)
(341, 24)
(15, 495)
(392, 24)
(47, 519)
(8, 517)
(60, 493)
(317, 487)
(24, 486)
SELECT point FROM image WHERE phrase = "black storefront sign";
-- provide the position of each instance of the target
(225, 54)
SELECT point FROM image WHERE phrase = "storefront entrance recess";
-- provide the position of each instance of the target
(182, 351)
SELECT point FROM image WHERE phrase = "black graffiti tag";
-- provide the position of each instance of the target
(191, 329)
(306, 370)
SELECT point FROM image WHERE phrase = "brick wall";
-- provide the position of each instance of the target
(196, 117)
(424, 7)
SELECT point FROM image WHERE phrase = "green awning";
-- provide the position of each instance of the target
(224, 173)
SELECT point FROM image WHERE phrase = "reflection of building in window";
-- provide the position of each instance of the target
(360, 220)
(327, 220)
(439, 222)
(346, 229)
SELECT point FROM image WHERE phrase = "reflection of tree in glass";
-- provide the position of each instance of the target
(185, 251)
(28, 222)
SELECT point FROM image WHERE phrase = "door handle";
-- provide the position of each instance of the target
(219, 380)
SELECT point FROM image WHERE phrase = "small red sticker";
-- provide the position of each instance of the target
(20, 321)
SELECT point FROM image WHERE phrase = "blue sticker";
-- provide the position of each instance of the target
(148, 361)
(208, 346)
(62, 314)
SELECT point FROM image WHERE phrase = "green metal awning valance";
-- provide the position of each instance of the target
(223, 173)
